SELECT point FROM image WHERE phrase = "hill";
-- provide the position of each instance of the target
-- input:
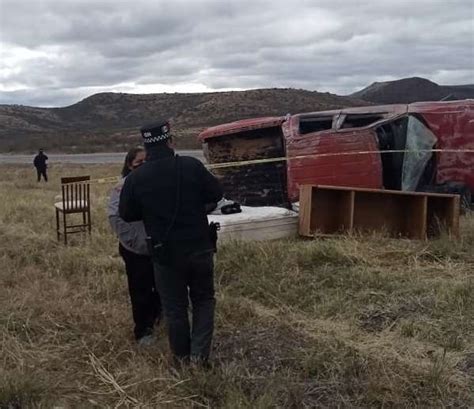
(110, 121)
(413, 89)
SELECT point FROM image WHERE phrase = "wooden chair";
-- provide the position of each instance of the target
(75, 199)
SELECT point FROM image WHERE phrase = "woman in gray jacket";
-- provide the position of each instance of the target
(144, 297)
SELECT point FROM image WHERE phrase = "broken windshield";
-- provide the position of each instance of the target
(419, 143)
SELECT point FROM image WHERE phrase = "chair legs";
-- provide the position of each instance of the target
(58, 234)
(86, 221)
(85, 227)
(65, 228)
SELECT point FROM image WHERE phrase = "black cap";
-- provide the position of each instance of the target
(155, 133)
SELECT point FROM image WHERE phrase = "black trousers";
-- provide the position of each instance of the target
(187, 277)
(145, 299)
(41, 172)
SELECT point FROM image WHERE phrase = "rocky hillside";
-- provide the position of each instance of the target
(110, 121)
(411, 90)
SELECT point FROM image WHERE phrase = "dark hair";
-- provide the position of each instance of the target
(129, 158)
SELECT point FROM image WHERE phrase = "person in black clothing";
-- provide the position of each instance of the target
(170, 194)
(40, 164)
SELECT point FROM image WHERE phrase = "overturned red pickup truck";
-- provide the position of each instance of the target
(388, 146)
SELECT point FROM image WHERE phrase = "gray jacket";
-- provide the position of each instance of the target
(132, 235)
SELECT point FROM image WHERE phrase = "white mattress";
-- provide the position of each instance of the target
(257, 223)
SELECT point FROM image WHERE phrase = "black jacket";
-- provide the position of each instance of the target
(149, 194)
(40, 161)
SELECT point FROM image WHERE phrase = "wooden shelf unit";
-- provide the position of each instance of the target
(336, 210)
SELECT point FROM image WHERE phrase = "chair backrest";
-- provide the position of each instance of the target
(75, 192)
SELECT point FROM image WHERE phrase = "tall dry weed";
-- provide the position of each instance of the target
(361, 321)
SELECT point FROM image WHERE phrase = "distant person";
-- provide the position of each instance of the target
(144, 297)
(170, 193)
(40, 164)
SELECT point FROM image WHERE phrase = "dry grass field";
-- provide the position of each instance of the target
(358, 322)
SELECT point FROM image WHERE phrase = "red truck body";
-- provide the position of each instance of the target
(453, 124)
(350, 147)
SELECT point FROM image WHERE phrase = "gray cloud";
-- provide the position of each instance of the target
(56, 52)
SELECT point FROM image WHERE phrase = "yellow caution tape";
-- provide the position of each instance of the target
(319, 155)
(287, 158)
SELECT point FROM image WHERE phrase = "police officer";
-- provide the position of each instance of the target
(144, 297)
(170, 194)
(39, 163)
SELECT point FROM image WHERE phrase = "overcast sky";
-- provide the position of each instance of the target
(56, 52)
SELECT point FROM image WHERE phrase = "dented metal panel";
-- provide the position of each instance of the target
(241, 126)
(357, 170)
(453, 124)
(395, 109)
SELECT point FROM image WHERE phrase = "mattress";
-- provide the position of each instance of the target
(257, 223)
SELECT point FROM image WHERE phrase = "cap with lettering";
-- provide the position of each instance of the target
(155, 133)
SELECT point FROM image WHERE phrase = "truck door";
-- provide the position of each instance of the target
(332, 156)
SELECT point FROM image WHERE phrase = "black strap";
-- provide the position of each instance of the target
(177, 200)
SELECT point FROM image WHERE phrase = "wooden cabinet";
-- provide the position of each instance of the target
(335, 210)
